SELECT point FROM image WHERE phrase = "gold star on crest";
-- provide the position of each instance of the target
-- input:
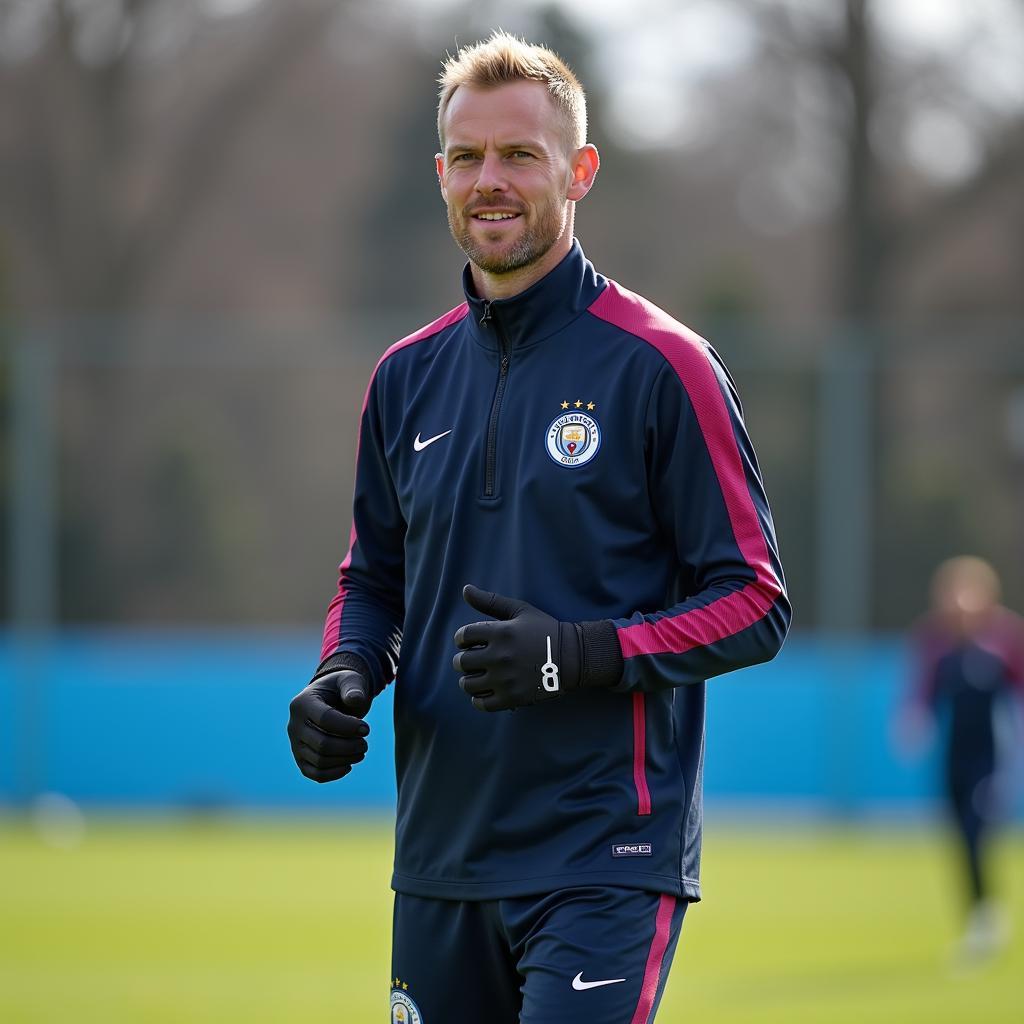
(565, 405)
(405, 986)
(578, 404)
(590, 406)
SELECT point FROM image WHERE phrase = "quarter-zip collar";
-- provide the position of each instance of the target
(547, 306)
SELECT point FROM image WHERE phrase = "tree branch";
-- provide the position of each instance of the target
(199, 160)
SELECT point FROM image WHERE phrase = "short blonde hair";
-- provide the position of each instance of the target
(504, 58)
(967, 573)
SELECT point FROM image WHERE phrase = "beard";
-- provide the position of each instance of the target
(532, 244)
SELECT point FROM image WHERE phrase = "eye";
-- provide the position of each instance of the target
(522, 154)
(463, 157)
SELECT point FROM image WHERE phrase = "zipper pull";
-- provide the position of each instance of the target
(486, 318)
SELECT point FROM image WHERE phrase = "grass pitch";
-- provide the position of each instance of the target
(289, 921)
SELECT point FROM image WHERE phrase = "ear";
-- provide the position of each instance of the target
(584, 165)
(439, 164)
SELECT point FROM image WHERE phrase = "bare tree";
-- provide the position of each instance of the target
(118, 118)
(110, 147)
(870, 80)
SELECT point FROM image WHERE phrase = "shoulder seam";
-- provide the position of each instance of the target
(425, 333)
(431, 330)
(683, 334)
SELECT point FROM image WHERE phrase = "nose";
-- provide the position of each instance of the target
(491, 178)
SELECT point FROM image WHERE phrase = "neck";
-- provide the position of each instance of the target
(504, 286)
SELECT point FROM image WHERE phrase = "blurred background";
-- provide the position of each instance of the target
(216, 214)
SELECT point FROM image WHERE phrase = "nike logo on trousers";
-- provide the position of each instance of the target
(420, 445)
(581, 986)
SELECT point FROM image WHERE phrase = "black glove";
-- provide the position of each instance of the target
(324, 725)
(528, 656)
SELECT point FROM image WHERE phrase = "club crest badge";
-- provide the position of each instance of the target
(574, 437)
(403, 1009)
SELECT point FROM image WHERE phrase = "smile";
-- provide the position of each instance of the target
(495, 216)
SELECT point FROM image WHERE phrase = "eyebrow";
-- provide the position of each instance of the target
(461, 147)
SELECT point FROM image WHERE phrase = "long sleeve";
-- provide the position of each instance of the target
(704, 482)
(928, 643)
(1009, 640)
(363, 629)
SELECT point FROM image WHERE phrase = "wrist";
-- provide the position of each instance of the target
(601, 661)
(340, 661)
(570, 656)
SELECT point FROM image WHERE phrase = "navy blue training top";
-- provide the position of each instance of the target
(976, 678)
(575, 447)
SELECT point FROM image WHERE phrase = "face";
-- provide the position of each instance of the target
(507, 175)
(964, 595)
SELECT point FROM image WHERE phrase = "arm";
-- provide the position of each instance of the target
(363, 631)
(913, 725)
(1012, 626)
(363, 628)
(706, 489)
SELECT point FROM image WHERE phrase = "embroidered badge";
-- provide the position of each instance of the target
(403, 1009)
(574, 437)
(632, 850)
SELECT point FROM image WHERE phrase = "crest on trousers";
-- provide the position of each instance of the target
(573, 437)
(403, 1009)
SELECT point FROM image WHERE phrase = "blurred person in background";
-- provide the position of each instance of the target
(969, 674)
(572, 448)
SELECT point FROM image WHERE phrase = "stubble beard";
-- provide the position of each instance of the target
(532, 245)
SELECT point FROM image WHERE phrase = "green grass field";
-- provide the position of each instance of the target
(290, 921)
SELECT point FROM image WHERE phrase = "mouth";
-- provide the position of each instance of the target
(494, 216)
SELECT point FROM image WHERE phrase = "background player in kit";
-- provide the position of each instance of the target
(968, 655)
(555, 486)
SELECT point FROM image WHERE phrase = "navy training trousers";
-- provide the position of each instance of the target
(599, 955)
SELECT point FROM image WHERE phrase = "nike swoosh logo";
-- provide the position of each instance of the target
(420, 445)
(581, 986)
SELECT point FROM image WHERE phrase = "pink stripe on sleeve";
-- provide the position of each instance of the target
(1004, 639)
(332, 626)
(655, 958)
(453, 316)
(686, 352)
(699, 627)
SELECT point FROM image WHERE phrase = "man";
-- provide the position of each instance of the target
(969, 661)
(555, 486)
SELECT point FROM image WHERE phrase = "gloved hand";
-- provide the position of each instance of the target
(528, 656)
(324, 726)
